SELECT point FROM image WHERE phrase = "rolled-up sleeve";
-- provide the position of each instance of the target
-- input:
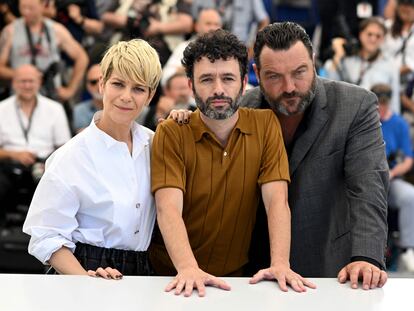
(51, 218)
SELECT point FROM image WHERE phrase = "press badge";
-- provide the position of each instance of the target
(364, 10)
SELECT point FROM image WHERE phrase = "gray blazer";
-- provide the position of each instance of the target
(339, 181)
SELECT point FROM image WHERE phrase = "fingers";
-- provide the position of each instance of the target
(383, 278)
(297, 285)
(201, 288)
(308, 283)
(113, 273)
(257, 277)
(342, 275)
(189, 285)
(171, 285)
(179, 287)
(282, 284)
(353, 277)
(366, 278)
(375, 278)
(107, 273)
(181, 116)
(214, 281)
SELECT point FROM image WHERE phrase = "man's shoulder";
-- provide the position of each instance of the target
(5, 104)
(83, 106)
(49, 104)
(252, 98)
(258, 114)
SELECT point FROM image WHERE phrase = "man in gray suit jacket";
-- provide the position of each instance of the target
(339, 173)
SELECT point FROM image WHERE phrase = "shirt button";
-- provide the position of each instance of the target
(225, 153)
(138, 205)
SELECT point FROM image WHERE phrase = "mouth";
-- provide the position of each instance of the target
(123, 108)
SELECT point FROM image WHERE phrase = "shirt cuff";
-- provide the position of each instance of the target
(369, 260)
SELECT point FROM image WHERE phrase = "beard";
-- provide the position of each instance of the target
(213, 113)
(277, 104)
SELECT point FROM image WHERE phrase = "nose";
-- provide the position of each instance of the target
(218, 87)
(289, 85)
(126, 95)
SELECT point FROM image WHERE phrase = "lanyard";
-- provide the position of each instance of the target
(25, 130)
(362, 72)
(402, 50)
(35, 48)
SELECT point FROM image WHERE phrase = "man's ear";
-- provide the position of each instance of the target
(190, 83)
(256, 71)
(244, 84)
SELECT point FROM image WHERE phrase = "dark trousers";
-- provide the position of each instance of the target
(14, 177)
(126, 262)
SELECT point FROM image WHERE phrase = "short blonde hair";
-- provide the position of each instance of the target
(135, 60)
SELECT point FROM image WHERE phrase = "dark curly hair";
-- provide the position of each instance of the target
(218, 44)
(281, 36)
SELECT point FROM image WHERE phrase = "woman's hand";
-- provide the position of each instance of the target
(107, 273)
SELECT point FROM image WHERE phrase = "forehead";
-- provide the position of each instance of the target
(219, 67)
(26, 73)
(373, 27)
(178, 80)
(208, 16)
(31, 3)
(94, 71)
(284, 60)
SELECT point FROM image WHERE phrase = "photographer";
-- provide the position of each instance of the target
(34, 39)
(161, 23)
(31, 127)
(364, 64)
(80, 17)
(400, 158)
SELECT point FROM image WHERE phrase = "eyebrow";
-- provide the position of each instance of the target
(209, 75)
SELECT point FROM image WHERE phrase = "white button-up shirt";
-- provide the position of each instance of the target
(94, 192)
(49, 127)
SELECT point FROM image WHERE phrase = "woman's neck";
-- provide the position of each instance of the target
(118, 132)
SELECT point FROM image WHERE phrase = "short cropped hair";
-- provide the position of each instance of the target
(376, 20)
(215, 45)
(281, 36)
(134, 59)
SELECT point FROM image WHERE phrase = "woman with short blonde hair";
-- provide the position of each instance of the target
(93, 212)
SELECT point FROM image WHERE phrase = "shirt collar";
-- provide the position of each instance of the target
(140, 137)
(199, 128)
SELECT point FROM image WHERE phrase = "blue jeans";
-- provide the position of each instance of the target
(401, 196)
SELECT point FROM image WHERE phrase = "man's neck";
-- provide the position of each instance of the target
(221, 128)
(27, 106)
(289, 125)
(36, 24)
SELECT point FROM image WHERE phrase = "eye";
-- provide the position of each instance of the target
(229, 78)
(139, 89)
(117, 84)
(205, 80)
(273, 77)
(299, 73)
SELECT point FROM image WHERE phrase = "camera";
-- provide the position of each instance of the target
(351, 46)
(48, 85)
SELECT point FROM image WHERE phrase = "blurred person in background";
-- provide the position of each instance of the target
(34, 39)
(365, 64)
(399, 152)
(31, 128)
(207, 20)
(84, 111)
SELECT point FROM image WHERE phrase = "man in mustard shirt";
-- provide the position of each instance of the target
(207, 176)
